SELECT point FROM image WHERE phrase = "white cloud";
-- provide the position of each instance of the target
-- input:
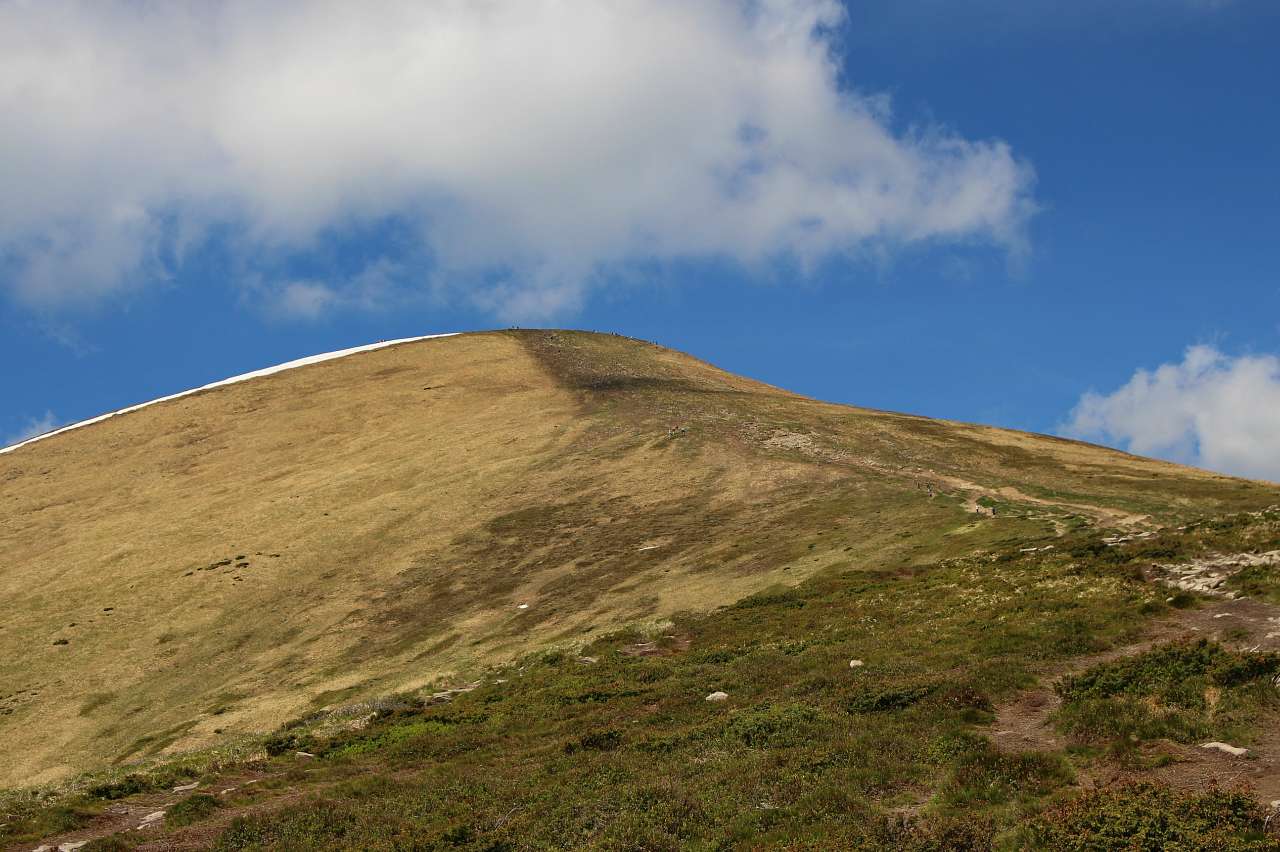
(534, 142)
(34, 426)
(1211, 410)
(380, 286)
(302, 300)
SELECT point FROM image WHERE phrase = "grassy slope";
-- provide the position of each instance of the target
(617, 749)
(395, 507)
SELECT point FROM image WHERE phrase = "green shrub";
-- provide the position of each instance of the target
(1155, 818)
(129, 785)
(982, 774)
(1175, 674)
(773, 726)
(1184, 691)
(872, 701)
(596, 741)
(192, 809)
(278, 744)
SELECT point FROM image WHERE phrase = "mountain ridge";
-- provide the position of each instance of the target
(210, 567)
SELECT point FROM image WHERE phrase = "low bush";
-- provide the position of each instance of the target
(1155, 818)
(192, 809)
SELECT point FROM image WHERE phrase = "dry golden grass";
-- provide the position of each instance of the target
(220, 563)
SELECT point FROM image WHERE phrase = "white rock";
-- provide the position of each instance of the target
(1235, 751)
(72, 847)
(853, 664)
(523, 606)
(1275, 803)
(43, 847)
(718, 696)
(185, 787)
(304, 754)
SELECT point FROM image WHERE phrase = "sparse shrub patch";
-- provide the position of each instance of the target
(126, 786)
(1155, 818)
(192, 809)
(1183, 691)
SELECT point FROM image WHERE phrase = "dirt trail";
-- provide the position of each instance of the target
(973, 492)
(129, 815)
(1022, 724)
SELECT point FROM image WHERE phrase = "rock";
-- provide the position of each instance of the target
(1234, 751)
(151, 818)
(853, 664)
(588, 661)
(182, 788)
(304, 754)
(523, 606)
(718, 696)
(1275, 803)
(72, 847)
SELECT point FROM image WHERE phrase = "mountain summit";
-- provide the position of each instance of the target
(210, 566)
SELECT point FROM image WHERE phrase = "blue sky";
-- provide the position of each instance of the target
(981, 211)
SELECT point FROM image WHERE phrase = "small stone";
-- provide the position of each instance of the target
(853, 664)
(72, 847)
(523, 606)
(304, 754)
(152, 817)
(1234, 751)
(718, 696)
(182, 788)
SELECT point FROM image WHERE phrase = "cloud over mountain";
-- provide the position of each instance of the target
(1210, 410)
(521, 147)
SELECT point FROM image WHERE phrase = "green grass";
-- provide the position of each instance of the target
(1183, 692)
(192, 809)
(555, 751)
(626, 753)
(1149, 818)
(1261, 582)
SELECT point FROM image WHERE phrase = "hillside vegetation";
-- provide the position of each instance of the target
(583, 536)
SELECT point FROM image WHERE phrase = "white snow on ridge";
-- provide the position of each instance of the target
(266, 371)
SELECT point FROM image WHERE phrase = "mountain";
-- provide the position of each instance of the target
(190, 574)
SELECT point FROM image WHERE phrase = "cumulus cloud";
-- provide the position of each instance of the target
(527, 146)
(34, 426)
(1210, 410)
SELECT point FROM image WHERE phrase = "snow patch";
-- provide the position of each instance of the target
(267, 371)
